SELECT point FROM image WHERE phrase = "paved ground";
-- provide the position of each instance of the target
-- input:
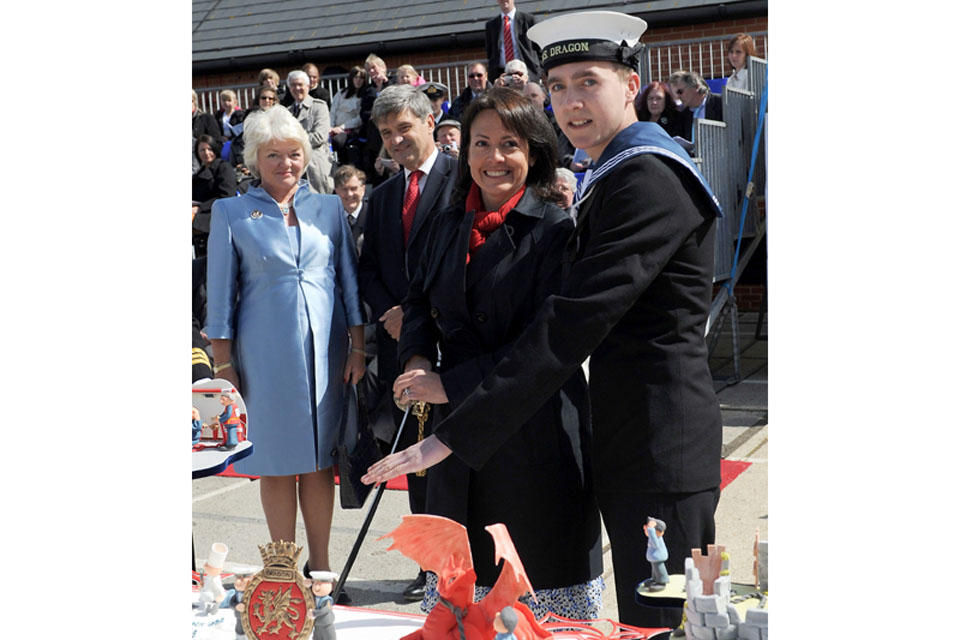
(228, 510)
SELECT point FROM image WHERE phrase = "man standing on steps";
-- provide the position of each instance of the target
(506, 39)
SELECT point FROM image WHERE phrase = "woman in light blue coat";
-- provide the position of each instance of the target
(282, 312)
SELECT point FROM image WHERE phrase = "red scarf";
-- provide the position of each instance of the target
(486, 222)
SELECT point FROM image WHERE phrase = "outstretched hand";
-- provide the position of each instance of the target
(422, 455)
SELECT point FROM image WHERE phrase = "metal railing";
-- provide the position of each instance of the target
(451, 74)
(722, 150)
(706, 56)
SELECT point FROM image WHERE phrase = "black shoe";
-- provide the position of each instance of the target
(416, 589)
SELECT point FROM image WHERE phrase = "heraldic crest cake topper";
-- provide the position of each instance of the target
(278, 598)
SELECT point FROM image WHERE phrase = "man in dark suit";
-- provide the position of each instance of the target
(500, 51)
(698, 102)
(394, 239)
(349, 183)
(477, 83)
(635, 297)
(316, 91)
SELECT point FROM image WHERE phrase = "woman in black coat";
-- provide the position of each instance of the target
(655, 104)
(493, 257)
(216, 179)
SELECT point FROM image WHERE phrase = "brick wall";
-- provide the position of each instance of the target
(707, 30)
(663, 34)
(749, 296)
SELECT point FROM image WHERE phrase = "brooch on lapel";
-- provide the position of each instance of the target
(256, 214)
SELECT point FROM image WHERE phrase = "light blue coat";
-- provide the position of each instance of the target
(281, 312)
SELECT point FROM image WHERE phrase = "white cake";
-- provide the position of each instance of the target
(219, 625)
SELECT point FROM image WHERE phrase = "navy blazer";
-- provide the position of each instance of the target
(713, 111)
(529, 52)
(386, 267)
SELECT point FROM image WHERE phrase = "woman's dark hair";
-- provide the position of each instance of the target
(643, 111)
(525, 120)
(210, 140)
(354, 72)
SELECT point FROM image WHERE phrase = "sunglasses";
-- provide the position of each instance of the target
(475, 75)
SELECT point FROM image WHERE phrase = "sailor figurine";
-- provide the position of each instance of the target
(197, 425)
(322, 615)
(656, 555)
(229, 421)
(234, 599)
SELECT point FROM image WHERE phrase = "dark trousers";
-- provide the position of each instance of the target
(689, 520)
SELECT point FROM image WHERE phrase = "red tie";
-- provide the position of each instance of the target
(410, 204)
(507, 40)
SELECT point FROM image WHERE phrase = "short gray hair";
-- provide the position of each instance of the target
(516, 65)
(298, 74)
(568, 177)
(690, 79)
(273, 123)
(395, 98)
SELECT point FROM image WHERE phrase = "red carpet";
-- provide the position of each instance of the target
(729, 470)
(400, 484)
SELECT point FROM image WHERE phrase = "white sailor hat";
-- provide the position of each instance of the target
(324, 576)
(589, 35)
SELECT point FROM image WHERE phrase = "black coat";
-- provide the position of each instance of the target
(713, 111)
(461, 101)
(357, 229)
(537, 480)
(635, 298)
(235, 118)
(219, 180)
(204, 123)
(386, 267)
(529, 52)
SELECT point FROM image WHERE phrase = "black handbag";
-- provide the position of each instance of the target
(357, 448)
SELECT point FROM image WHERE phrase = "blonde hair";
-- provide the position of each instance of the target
(272, 123)
(376, 60)
(229, 93)
(268, 73)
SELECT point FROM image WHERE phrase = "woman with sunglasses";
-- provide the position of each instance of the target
(266, 98)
